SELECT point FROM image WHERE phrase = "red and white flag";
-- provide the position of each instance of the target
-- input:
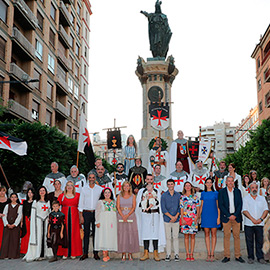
(14, 144)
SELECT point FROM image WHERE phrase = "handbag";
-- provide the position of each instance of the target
(187, 220)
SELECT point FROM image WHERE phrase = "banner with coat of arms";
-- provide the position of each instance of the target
(199, 150)
(159, 115)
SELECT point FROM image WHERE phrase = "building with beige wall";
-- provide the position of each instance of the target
(47, 40)
(261, 54)
(251, 122)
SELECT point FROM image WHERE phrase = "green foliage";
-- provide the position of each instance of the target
(45, 145)
(255, 155)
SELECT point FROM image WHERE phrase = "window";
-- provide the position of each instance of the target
(51, 63)
(39, 50)
(75, 114)
(76, 91)
(71, 41)
(53, 12)
(69, 130)
(2, 48)
(84, 89)
(3, 11)
(49, 90)
(85, 34)
(69, 108)
(259, 84)
(258, 63)
(260, 107)
(85, 72)
(78, 10)
(70, 85)
(78, 29)
(40, 20)
(77, 49)
(37, 75)
(35, 110)
(52, 37)
(267, 100)
(83, 107)
(76, 71)
(72, 19)
(265, 74)
(48, 118)
(85, 52)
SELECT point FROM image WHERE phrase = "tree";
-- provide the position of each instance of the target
(45, 145)
(255, 155)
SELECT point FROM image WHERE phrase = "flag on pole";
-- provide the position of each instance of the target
(84, 143)
(204, 149)
(14, 144)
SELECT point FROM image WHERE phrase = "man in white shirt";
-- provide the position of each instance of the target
(255, 210)
(87, 204)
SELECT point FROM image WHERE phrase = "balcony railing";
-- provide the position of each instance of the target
(17, 35)
(65, 12)
(62, 83)
(61, 109)
(63, 34)
(20, 110)
(66, 61)
(26, 12)
(17, 72)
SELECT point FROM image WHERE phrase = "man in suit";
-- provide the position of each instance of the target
(230, 205)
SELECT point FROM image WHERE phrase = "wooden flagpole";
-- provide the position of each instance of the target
(77, 162)
(4, 176)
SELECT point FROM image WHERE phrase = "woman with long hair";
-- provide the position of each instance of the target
(245, 185)
(210, 217)
(253, 177)
(37, 247)
(27, 205)
(11, 235)
(53, 196)
(236, 176)
(69, 200)
(106, 224)
(264, 184)
(3, 202)
(127, 231)
(130, 151)
(189, 205)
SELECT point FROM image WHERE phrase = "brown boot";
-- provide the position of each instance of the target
(145, 256)
(156, 257)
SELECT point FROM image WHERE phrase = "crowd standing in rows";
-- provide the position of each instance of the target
(133, 208)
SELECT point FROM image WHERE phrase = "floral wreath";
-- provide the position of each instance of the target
(152, 143)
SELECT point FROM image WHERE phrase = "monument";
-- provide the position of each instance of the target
(156, 75)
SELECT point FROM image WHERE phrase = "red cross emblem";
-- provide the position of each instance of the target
(179, 181)
(159, 117)
(114, 161)
(200, 179)
(52, 181)
(22, 200)
(76, 186)
(54, 220)
(193, 150)
(103, 186)
(119, 185)
(44, 207)
(157, 184)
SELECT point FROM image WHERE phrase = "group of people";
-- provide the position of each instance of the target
(133, 208)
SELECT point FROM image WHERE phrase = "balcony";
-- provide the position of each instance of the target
(69, 2)
(267, 75)
(21, 45)
(24, 15)
(66, 62)
(20, 110)
(65, 17)
(61, 85)
(19, 75)
(61, 109)
(64, 36)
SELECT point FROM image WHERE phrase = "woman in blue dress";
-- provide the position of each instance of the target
(210, 217)
(130, 151)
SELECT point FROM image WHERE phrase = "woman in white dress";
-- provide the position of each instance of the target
(264, 184)
(130, 151)
(37, 247)
(106, 224)
(236, 177)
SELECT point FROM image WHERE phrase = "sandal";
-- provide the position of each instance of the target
(130, 257)
(212, 258)
(191, 257)
(123, 257)
(187, 257)
(208, 258)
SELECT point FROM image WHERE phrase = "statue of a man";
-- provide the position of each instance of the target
(159, 31)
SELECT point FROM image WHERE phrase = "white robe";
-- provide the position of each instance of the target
(179, 182)
(150, 226)
(79, 182)
(48, 182)
(198, 181)
(161, 185)
(39, 215)
(163, 155)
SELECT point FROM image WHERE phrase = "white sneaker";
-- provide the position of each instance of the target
(64, 257)
(72, 257)
(168, 258)
(176, 258)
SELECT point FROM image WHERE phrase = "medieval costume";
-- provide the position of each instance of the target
(219, 179)
(136, 177)
(22, 195)
(79, 182)
(120, 179)
(72, 222)
(51, 177)
(25, 226)
(179, 178)
(178, 152)
(56, 222)
(37, 248)
(129, 156)
(2, 206)
(158, 157)
(52, 197)
(198, 178)
(160, 183)
(11, 237)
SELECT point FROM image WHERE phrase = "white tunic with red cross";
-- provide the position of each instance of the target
(198, 181)
(79, 182)
(179, 180)
(160, 183)
(50, 179)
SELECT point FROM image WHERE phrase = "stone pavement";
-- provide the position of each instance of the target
(117, 264)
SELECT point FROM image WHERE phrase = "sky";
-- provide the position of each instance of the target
(212, 43)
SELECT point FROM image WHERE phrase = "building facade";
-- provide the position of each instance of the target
(45, 41)
(261, 54)
(222, 137)
(251, 122)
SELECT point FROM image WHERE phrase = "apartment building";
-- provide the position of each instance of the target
(44, 61)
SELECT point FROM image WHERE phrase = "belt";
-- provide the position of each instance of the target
(91, 211)
(125, 208)
(129, 158)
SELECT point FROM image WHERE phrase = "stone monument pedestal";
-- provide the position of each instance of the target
(156, 76)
